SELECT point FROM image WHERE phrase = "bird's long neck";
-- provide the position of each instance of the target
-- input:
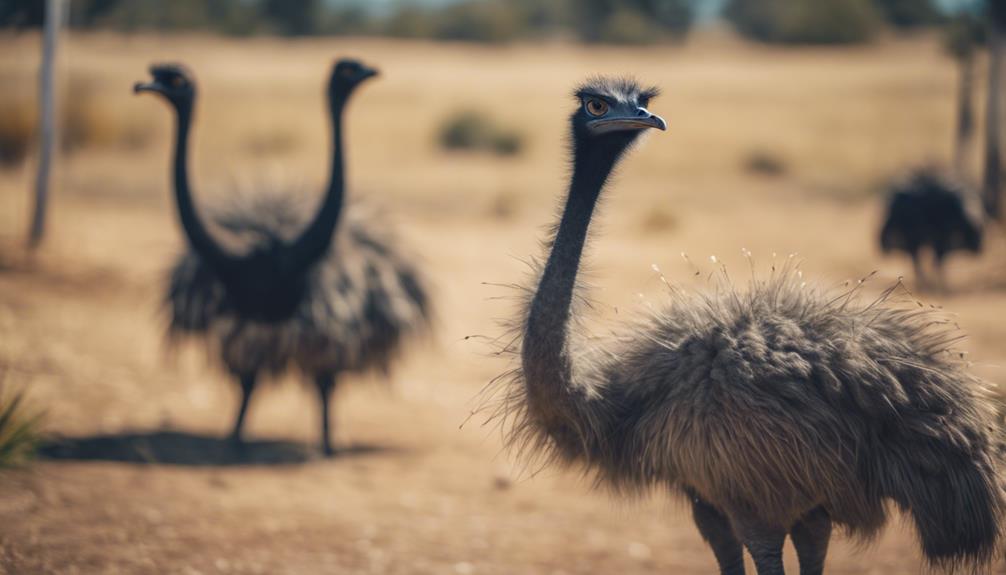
(317, 237)
(199, 237)
(547, 363)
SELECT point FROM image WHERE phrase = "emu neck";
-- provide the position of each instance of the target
(546, 359)
(316, 239)
(200, 238)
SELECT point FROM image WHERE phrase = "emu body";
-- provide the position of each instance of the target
(777, 412)
(322, 291)
(927, 211)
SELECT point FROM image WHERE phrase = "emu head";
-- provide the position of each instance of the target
(173, 82)
(347, 75)
(612, 114)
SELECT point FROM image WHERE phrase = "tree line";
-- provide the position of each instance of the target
(592, 21)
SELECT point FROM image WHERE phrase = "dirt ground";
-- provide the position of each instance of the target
(417, 489)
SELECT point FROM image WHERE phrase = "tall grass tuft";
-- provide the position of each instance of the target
(20, 430)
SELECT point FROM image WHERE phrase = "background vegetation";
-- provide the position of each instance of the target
(495, 21)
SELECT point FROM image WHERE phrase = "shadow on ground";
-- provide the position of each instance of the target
(179, 448)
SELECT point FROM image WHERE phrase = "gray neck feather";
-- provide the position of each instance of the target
(553, 395)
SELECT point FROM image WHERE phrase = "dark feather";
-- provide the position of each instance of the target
(361, 300)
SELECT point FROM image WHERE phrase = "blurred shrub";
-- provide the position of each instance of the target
(409, 21)
(804, 21)
(622, 21)
(90, 121)
(475, 131)
(19, 430)
(628, 26)
(631, 21)
(477, 20)
(765, 163)
(17, 128)
(291, 17)
(962, 35)
(908, 13)
(348, 20)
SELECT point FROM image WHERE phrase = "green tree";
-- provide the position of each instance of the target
(292, 17)
(600, 20)
(804, 21)
(908, 13)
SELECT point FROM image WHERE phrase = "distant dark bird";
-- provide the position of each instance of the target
(327, 294)
(778, 411)
(927, 210)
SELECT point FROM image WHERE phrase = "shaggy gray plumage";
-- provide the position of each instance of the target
(324, 291)
(362, 300)
(775, 409)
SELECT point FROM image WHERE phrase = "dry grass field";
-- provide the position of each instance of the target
(418, 492)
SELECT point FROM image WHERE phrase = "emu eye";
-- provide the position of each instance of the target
(177, 81)
(348, 72)
(596, 107)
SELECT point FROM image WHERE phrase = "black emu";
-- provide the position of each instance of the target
(777, 411)
(326, 293)
(926, 210)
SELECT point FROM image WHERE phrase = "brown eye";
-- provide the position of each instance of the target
(177, 81)
(596, 107)
(347, 73)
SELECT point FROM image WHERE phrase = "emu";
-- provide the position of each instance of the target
(927, 210)
(326, 294)
(777, 411)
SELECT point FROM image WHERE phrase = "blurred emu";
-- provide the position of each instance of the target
(928, 210)
(322, 293)
(777, 411)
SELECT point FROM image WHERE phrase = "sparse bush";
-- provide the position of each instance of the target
(89, 121)
(765, 163)
(466, 130)
(628, 26)
(631, 21)
(19, 430)
(507, 143)
(804, 21)
(908, 14)
(475, 131)
(963, 34)
(17, 129)
(477, 21)
(409, 21)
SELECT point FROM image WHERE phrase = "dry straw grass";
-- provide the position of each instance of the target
(87, 118)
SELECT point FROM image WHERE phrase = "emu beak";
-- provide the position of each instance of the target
(641, 120)
(369, 73)
(140, 87)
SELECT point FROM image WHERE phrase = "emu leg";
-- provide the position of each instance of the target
(326, 384)
(716, 531)
(764, 542)
(941, 276)
(921, 283)
(810, 537)
(247, 387)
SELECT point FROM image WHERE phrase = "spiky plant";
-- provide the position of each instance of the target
(20, 429)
